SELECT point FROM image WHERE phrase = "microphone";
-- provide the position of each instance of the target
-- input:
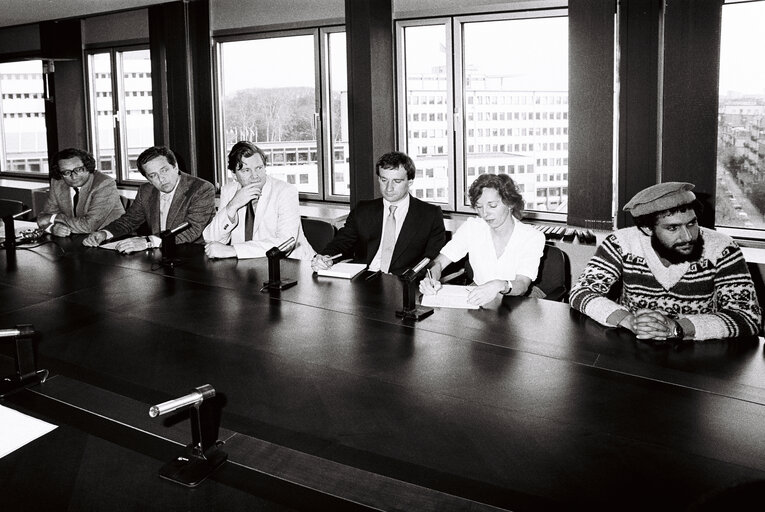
(179, 229)
(421, 265)
(196, 396)
(287, 244)
(21, 214)
(20, 330)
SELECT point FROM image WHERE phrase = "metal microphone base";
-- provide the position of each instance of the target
(191, 468)
(415, 314)
(278, 285)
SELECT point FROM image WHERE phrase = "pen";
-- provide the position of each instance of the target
(430, 276)
(336, 256)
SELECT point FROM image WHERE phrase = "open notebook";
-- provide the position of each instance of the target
(343, 270)
(449, 296)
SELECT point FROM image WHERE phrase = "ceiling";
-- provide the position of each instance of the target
(21, 12)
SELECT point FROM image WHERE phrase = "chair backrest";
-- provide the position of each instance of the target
(554, 277)
(11, 207)
(318, 232)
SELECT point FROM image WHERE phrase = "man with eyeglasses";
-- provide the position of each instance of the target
(80, 199)
(257, 211)
(169, 199)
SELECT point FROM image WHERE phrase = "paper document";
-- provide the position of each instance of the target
(17, 429)
(343, 270)
(449, 296)
(112, 246)
(19, 227)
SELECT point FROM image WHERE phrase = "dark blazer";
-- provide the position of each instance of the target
(422, 234)
(99, 204)
(194, 201)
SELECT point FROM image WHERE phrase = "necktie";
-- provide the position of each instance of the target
(249, 222)
(75, 200)
(388, 240)
(164, 207)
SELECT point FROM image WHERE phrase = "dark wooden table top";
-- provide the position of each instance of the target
(527, 406)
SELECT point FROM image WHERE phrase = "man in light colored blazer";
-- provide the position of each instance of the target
(169, 199)
(257, 212)
(74, 179)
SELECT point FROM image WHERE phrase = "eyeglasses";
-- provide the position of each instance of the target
(69, 173)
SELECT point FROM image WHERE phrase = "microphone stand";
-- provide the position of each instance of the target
(10, 237)
(27, 373)
(274, 255)
(203, 455)
(168, 247)
(410, 281)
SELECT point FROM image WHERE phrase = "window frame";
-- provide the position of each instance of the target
(456, 122)
(6, 173)
(119, 122)
(322, 114)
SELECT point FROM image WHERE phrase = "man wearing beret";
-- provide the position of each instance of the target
(678, 280)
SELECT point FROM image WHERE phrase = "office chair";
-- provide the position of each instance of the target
(318, 232)
(553, 280)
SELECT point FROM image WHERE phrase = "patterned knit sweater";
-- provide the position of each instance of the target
(715, 293)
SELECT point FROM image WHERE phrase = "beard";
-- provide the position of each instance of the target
(672, 255)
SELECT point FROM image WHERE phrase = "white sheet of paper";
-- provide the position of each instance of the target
(18, 226)
(111, 245)
(17, 429)
(343, 270)
(449, 296)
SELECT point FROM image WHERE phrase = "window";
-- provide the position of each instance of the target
(121, 109)
(741, 114)
(23, 142)
(297, 111)
(454, 59)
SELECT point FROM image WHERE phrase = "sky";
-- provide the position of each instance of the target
(281, 62)
(742, 28)
(492, 48)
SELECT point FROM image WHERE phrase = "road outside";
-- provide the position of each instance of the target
(732, 207)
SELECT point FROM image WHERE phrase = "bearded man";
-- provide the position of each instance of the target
(678, 280)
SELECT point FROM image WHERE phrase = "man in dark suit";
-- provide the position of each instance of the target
(391, 233)
(169, 199)
(80, 199)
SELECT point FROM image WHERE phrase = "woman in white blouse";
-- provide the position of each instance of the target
(503, 252)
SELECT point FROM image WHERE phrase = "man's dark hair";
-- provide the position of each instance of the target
(649, 220)
(152, 153)
(504, 185)
(394, 160)
(242, 150)
(65, 154)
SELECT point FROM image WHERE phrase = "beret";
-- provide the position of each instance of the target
(661, 196)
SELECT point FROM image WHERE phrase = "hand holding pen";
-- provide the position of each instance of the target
(324, 262)
(431, 284)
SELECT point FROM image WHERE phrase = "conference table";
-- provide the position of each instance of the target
(331, 402)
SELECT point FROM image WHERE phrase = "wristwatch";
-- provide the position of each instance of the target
(148, 243)
(677, 331)
(508, 287)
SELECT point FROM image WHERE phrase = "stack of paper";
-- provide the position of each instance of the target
(343, 270)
